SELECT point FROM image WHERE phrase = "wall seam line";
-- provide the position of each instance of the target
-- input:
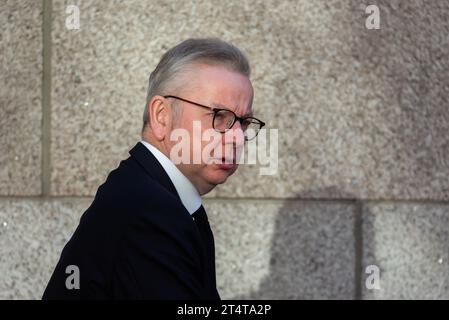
(358, 246)
(46, 97)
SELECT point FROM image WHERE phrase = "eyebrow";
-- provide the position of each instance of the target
(220, 106)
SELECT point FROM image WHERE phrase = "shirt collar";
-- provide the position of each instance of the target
(189, 195)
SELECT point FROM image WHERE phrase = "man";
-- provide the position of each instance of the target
(146, 235)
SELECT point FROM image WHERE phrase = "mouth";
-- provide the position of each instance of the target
(226, 163)
(228, 160)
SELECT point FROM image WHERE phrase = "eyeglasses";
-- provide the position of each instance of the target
(224, 119)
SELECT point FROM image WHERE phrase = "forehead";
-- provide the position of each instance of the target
(220, 87)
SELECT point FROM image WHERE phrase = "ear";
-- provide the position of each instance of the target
(160, 117)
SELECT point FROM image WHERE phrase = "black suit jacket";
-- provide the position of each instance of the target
(138, 241)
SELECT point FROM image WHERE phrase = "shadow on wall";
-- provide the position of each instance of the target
(313, 252)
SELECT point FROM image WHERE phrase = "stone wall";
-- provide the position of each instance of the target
(362, 114)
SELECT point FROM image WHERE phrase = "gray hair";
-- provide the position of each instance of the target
(179, 58)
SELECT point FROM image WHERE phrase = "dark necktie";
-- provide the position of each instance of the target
(201, 220)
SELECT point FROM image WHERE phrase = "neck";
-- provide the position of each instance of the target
(202, 189)
(158, 144)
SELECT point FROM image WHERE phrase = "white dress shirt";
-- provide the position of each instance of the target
(190, 197)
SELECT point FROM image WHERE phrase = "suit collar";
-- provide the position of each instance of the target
(158, 166)
(152, 167)
(187, 192)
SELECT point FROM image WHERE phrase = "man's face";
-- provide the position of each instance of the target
(216, 87)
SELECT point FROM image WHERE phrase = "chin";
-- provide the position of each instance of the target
(219, 176)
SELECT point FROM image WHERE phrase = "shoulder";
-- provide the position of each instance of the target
(132, 214)
(129, 187)
(129, 197)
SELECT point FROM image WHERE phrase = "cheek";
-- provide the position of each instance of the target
(211, 150)
(212, 146)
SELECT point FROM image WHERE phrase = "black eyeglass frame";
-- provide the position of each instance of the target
(216, 110)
